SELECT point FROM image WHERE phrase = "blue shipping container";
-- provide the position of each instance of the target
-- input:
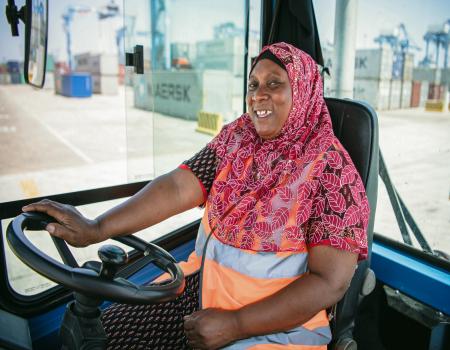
(76, 85)
(13, 66)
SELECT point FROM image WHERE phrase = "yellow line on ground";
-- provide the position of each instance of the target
(29, 188)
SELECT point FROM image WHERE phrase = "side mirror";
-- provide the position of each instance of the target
(35, 16)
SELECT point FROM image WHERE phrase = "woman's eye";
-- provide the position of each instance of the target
(273, 84)
(252, 86)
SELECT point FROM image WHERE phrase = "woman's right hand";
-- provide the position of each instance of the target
(71, 225)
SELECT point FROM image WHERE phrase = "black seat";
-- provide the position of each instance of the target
(355, 124)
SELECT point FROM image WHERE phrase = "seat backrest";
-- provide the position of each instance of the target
(355, 124)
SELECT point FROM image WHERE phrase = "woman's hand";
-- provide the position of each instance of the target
(211, 328)
(71, 225)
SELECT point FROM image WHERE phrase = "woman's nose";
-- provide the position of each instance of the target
(259, 95)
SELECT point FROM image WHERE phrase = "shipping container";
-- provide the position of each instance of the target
(105, 84)
(97, 64)
(415, 93)
(431, 75)
(373, 63)
(142, 88)
(405, 98)
(76, 85)
(16, 78)
(434, 91)
(394, 94)
(423, 93)
(183, 94)
(408, 67)
(13, 66)
(373, 91)
(222, 54)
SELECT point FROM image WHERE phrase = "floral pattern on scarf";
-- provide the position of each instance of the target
(292, 192)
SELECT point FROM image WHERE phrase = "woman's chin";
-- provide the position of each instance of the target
(267, 134)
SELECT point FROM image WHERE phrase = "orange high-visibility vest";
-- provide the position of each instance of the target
(232, 278)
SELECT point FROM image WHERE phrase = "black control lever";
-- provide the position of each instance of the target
(112, 257)
(82, 327)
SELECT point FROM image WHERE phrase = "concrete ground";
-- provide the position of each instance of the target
(52, 144)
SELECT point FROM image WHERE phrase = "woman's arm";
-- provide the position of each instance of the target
(330, 273)
(162, 198)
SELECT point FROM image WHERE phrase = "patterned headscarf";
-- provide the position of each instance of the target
(295, 190)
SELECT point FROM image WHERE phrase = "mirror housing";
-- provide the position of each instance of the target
(35, 17)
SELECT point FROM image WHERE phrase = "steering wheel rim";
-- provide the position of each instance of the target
(87, 281)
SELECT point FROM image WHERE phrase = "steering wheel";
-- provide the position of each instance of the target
(87, 281)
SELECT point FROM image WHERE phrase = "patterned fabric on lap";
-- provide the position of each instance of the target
(158, 326)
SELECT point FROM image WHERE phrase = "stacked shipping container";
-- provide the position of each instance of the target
(104, 70)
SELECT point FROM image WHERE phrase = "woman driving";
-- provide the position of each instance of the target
(285, 220)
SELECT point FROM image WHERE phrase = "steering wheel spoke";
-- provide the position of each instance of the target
(64, 252)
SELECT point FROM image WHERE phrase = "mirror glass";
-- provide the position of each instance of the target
(36, 45)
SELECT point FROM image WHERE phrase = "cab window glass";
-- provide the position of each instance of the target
(97, 123)
(402, 71)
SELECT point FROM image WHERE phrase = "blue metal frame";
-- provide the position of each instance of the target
(415, 277)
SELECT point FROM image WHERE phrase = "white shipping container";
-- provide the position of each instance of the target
(217, 92)
(394, 94)
(374, 92)
(105, 84)
(99, 64)
(406, 94)
(374, 63)
(423, 93)
(408, 67)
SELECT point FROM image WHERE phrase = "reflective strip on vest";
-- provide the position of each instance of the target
(297, 338)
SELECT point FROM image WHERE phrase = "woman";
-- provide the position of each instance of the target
(284, 225)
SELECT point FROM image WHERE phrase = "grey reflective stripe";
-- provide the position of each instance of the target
(296, 336)
(200, 241)
(259, 264)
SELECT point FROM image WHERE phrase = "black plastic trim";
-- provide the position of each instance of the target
(11, 209)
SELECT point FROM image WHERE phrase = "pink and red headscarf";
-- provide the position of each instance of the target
(292, 192)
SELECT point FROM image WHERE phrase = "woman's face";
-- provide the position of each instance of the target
(269, 98)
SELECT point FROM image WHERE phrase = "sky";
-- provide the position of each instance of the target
(89, 35)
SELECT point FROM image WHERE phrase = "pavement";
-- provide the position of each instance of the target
(53, 144)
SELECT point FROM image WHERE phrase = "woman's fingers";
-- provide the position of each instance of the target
(71, 225)
(60, 231)
(49, 207)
